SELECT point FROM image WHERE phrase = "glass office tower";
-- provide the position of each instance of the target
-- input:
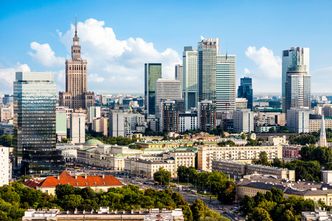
(296, 78)
(152, 72)
(35, 120)
(245, 91)
(207, 60)
(225, 83)
(190, 79)
(290, 59)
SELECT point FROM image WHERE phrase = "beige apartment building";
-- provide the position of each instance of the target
(245, 154)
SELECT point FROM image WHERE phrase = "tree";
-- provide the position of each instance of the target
(262, 159)
(71, 202)
(162, 176)
(259, 214)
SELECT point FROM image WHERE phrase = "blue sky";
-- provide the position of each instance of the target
(118, 36)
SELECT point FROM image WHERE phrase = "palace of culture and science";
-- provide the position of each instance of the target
(76, 95)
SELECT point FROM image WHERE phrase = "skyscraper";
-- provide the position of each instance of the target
(179, 75)
(245, 91)
(34, 107)
(207, 60)
(76, 95)
(225, 83)
(295, 61)
(152, 72)
(190, 78)
(166, 89)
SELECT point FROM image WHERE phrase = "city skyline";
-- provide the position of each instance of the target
(117, 46)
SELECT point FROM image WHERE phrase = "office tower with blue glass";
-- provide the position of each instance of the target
(245, 91)
(152, 72)
(35, 120)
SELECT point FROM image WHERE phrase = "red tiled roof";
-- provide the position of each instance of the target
(79, 181)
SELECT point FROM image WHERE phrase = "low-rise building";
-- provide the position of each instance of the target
(97, 183)
(317, 215)
(239, 169)
(146, 168)
(97, 154)
(206, 154)
(291, 152)
(104, 214)
(182, 157)
(250, 185)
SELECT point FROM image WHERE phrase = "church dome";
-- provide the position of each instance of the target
(93, 142)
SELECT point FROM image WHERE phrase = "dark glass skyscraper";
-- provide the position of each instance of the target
(245, 91)
(34, 109)
(152, 72)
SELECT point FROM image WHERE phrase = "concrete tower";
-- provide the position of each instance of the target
(76, 95)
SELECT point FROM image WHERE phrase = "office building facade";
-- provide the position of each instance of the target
(166, 89)
(190, 77)
(243, 121)
(152, 72)
(245, 91)
(225, 83)
(35, 120)
(207, 60)
(298, 120)
(295, 78)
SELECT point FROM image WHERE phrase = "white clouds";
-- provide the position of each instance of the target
(266, 72)
(267, 63)
(7, 76)
(44, 54)
(119, 63)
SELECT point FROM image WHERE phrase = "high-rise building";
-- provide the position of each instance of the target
(5, 168)
(169, 116)
(207, 60)
(243, 121)
(245, 91)
(295, 78)
(152, 72)
(166, 89)
(188, 121)
(35, 120)
(298, 120)
(77, 127)
(206, 115)
(179, 75)
(61, 123)
(94, 112)
(225, 83)
(124, 124)
(190, 77)
(100, 125)
(76, 95)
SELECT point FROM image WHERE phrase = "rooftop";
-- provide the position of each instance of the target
(76, 181)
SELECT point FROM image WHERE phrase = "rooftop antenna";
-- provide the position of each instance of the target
(76, 26)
